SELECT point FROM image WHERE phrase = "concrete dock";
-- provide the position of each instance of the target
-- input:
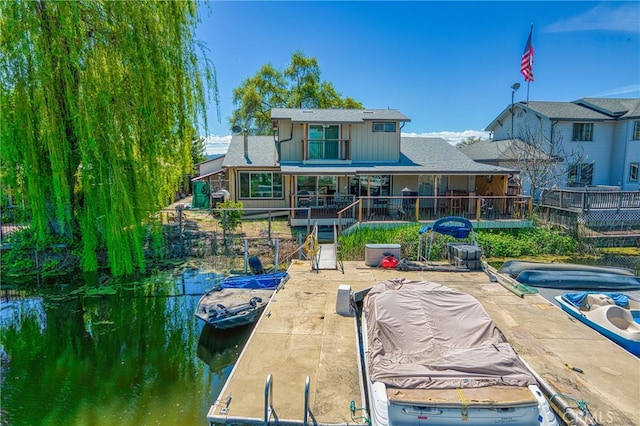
(300, 335)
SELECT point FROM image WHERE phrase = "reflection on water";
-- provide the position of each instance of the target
(129, 354)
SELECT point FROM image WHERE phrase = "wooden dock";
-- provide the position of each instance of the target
(301, 336)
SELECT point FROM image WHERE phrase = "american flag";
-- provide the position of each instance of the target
(526, 66)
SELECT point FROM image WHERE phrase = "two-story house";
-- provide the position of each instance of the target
(328, 158)
(598, 138)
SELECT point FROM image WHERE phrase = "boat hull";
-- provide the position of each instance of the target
(626, 339)
(515, 267)
(578, 280)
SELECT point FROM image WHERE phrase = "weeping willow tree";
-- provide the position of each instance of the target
(99, 101)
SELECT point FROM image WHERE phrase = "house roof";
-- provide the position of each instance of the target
(419, 156)
(261, 152)
(496, 151)
(437, 156)
(585, 109)
(615, 107)
(300, 115)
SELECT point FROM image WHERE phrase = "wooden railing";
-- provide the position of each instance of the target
(586, 199)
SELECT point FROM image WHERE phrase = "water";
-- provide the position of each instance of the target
(130, 353)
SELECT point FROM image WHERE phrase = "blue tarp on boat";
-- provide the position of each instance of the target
(264, 281)
(578, 299)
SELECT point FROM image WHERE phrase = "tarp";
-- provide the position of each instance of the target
(581, 299)
(264, 281)
(424, 335)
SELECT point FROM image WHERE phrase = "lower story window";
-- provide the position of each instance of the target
(633, 172)
(581, 174)
(260, 185)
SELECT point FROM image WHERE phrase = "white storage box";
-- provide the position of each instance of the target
(374, 253)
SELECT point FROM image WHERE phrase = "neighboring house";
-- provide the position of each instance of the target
(331, 157)
(211, 178)
(602, 134)
(508, 153)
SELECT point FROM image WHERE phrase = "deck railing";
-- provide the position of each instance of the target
(421, 208)
(586, 199)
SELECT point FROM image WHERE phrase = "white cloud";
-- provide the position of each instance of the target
(632, 89)
(452, 137)
(217, 144)
(623, 18)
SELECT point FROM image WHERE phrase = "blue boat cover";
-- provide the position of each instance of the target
(578, 299)
(264, 281)
(578, 280)
(457, 227)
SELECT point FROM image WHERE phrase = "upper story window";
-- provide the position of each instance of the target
(324, 142)
(582, 132)
(260, 185)
(636, 130)
(384, 127)
(581, 174)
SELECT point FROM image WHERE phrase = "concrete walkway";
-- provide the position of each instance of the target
(300, 335)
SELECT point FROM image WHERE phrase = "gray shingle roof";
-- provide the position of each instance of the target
(336, 115)
(261, 153)
(616, 107)
(585, 109)
(563, 110)
(435, 155)
(419, 156)
(496, 151)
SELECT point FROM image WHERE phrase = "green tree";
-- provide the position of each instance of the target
(298, 86)
(99, 100)
(469, 141)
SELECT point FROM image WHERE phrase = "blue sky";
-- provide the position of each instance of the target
(447, 65)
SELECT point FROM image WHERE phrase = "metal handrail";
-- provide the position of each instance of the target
(305, 417)
(268, 399)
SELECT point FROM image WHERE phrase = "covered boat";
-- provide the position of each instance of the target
(578, 280)
(432, 355)
(614, 315)
(238, 300)
(515, 267)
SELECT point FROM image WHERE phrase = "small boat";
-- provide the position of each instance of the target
(614, 315)
(515, 267)
(238, 300)
(578, 280)
(432, 355)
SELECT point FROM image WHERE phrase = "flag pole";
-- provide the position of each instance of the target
(529, 80)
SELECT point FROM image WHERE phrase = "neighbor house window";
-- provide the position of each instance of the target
(582, 131)
(324, 142)
(581, 174)
(633, 172)
(636, 130)
(384, 127)
(260, 185)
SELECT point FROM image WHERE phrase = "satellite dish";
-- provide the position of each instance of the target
(236, 129)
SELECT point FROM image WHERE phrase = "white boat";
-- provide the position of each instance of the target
(432, 356)
(614, 315)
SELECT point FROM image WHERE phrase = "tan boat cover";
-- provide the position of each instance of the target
(423, 335)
